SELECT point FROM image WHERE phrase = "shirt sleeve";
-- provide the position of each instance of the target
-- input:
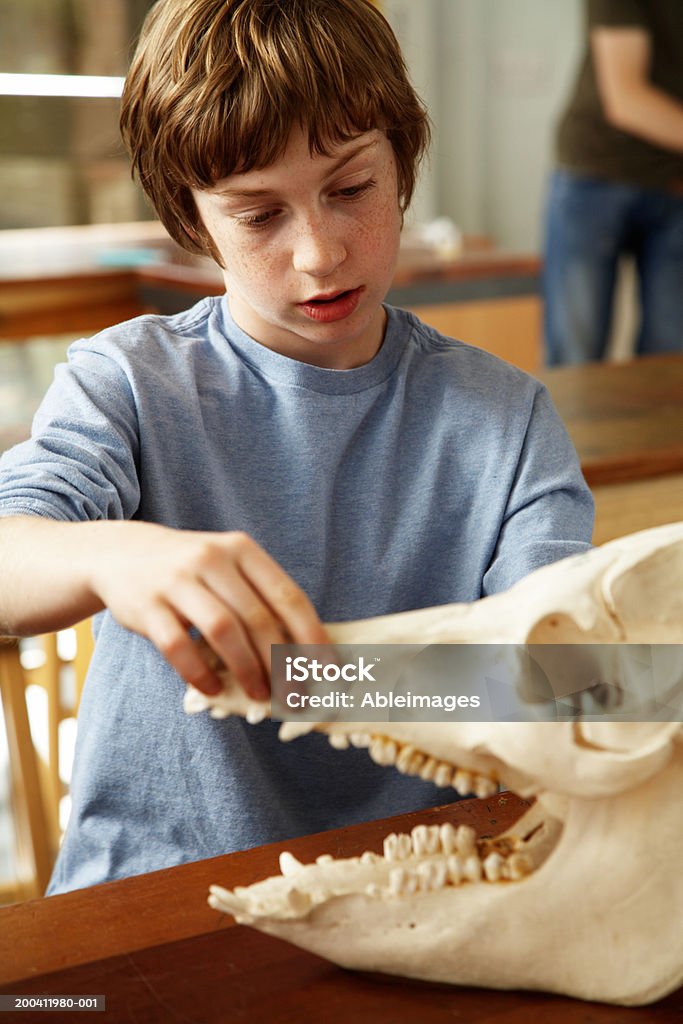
(550, 510)
(81, 461)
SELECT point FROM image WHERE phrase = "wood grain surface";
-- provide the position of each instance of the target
(157, 952)
(625, 419)
(89, 924)
(633, 505)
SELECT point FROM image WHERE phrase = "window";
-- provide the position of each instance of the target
(61, 158)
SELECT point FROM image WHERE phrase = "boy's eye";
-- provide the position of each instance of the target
(264, 218)
(257, 220)
(354, 191)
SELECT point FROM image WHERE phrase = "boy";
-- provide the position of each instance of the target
(289, 453)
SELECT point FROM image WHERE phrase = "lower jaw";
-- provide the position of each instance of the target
(330, 312)
(437, 858)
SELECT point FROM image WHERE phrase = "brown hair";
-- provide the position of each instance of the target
(216, 86)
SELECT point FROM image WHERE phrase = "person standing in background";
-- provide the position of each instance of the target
(618, 185)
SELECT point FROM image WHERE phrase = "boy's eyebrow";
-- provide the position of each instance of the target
(250, 193)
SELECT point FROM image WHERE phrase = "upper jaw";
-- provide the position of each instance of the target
(625, 593)
(565, 758)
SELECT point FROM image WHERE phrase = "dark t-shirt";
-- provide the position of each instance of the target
(586, 143)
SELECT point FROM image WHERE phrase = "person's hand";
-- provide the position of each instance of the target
(158, 582)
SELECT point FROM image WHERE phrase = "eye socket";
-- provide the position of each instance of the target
(356, 191)
(258, 220)
(347, 194)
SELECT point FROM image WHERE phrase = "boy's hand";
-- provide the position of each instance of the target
(158, 582)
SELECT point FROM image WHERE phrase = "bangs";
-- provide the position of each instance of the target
(246, 133)
(287, 71)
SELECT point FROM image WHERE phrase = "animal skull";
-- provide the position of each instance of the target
(584, 894)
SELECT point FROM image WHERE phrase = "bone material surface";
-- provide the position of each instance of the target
(584, 895)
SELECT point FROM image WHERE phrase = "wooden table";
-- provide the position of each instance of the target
(626, 422)
(625, 419)
(158, 953)
(623, 508)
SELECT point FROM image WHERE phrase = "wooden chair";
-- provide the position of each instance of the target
(35, 849)
(37, 787)
(47, 672)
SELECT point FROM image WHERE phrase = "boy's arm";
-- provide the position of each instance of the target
(550, 510)
(157, 582)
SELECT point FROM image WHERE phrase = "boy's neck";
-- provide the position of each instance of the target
(347, 353)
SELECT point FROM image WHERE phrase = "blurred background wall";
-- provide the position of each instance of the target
(494, 74)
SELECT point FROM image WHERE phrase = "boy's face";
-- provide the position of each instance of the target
(309, 246)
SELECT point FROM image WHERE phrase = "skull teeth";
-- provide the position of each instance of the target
(397, 847)
(450, 856)
(453, 870)
(289, 865)
(429, 858)
(427, 840)
(440, 852)
(339, 741)
(518, 865)
(410, 761)
(493, 867)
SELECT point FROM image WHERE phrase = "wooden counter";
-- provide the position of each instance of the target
(59, 280)
(38, 255)
(158, 953)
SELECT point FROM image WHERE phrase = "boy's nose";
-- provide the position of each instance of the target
(317, 251)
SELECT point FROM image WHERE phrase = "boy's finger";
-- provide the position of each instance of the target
(223, 629)
(166, 632)
(289, 603)
(261, 626)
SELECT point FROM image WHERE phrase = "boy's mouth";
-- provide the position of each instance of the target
(331, 307)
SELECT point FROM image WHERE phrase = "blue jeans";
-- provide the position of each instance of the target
(589, 224)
